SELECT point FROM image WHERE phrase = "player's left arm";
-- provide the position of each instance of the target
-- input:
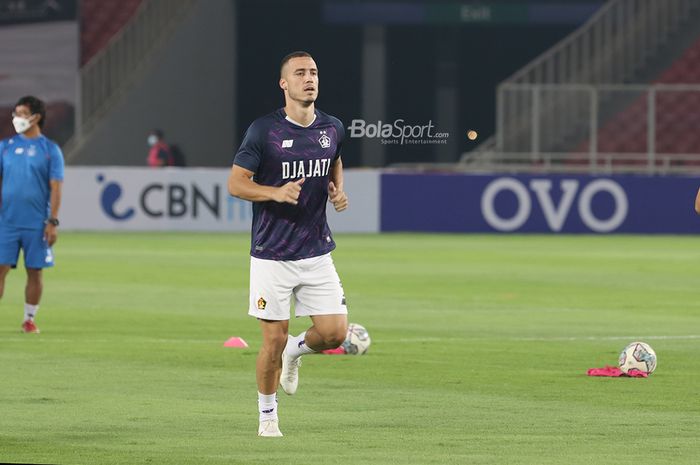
(336, 191)
(697, 203)
(50, 231)
(56, 166)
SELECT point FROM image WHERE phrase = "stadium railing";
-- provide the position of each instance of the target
(107, 75)
(613, 45)
(641, 128)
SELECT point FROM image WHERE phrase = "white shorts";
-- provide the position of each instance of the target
(313, 282)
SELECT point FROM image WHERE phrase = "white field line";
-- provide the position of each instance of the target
(610, 338)
(544, 339)
(390, 340)
(48, 340)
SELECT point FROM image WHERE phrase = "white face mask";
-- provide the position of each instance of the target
(152, 140)
(21, 124)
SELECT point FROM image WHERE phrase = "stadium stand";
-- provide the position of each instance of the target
(40, 57)
(584, 104)
(118, 39)
(100, 20)
(677, 115)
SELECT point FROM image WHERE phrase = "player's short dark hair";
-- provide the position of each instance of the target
(36, 106)
(158, 133)
(289, 56)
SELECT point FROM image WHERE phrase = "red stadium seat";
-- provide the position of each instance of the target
(677, 117)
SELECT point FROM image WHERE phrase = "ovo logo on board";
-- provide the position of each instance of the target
(555, 215)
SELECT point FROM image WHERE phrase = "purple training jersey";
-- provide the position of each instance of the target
(278, 151)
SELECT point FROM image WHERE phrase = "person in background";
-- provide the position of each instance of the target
(31, 178)
(160, 153)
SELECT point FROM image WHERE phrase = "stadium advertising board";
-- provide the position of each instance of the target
(538, 204)
(195, 199)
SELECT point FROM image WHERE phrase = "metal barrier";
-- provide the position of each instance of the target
(566, 87)
(106, 75)
(611, 46)
(572, 118)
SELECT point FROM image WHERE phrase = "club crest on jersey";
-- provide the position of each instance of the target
(261, 303)
(324, 140)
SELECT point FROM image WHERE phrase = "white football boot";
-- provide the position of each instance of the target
(289, 378)
(269, 429)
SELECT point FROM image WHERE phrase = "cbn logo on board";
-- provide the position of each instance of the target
(111, 193)
(554, 215)
(172, 200)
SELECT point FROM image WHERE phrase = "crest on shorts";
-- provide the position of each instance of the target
(261, 303)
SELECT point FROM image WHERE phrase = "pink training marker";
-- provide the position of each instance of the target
(237, 342)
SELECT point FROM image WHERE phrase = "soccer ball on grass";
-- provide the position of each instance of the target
(638, 356)
(357, 340)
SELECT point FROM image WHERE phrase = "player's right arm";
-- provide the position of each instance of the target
(247, 162)
(697, 203)
(241, 185)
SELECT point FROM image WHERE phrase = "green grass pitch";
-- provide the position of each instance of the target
(480, 349)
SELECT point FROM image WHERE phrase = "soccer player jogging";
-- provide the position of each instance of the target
(31, 176)
(289, 165)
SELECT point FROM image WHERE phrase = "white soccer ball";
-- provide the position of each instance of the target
(638, 356)
(357, 340)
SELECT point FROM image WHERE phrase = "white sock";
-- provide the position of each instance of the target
(296, 346)
(267, 406)
(30, 312)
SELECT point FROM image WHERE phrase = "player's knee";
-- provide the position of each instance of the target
(334, 339)
(275, 343)
(278, 340)
(34, 276)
